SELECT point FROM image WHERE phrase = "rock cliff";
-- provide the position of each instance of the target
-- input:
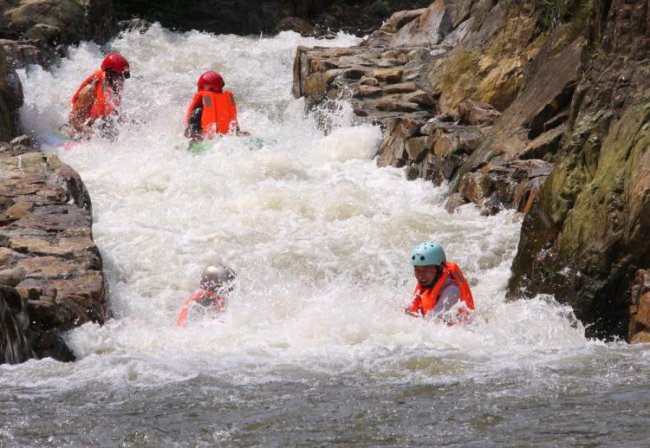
(588, 236)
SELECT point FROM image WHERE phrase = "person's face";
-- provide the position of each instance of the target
(117, 79)
(425, 274)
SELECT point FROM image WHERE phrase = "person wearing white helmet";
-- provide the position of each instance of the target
(217, 282)
(441, 290)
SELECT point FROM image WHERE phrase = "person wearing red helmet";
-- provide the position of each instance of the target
(99, 96)
(212, 111)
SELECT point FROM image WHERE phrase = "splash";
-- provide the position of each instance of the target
(318, 234)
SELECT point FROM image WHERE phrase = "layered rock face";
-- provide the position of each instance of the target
(50, 269)
(588, 237)
(492, 97)
(469, 92)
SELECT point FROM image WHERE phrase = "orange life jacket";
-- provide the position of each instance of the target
(217, 304)
(219, 112)
(425, 299)
(106, 101)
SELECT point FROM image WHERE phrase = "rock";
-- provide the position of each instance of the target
(396, 21)
(8, 258)
(455, 201)
(365, 81)
(416, 148)
(393, 149)
(296, 24)
(11, 277)
(405, 87)
(472, 112)
(60, 21)
(14, 320)
(428, 28)
(390, 75)
(368, 91)
(44, 33)
(639, 309)
(11, 99)
(46, 253)
(586, 235)
(545, 145)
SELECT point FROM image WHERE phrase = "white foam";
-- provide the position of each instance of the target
(318, 234)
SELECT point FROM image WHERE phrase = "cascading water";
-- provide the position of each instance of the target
(314, 348)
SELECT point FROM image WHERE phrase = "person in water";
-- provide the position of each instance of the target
(441, 289)
(97, 100)
(212, 111)
(217, 282)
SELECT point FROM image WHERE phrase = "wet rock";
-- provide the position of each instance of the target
(393, 149)
(405, 87)
(586, 235)
(472, 112)
(296, 24)
(428, 27)
(382, 82)
(512, 185)
(545, 145)
(455, 200)
(46, 252)
(388, 75)
(639, 310)
(11, 99)
(62, 21)
(14, 345)
(11, 277)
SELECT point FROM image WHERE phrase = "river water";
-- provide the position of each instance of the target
(314, 349)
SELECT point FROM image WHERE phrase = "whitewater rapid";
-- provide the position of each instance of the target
(318, 234)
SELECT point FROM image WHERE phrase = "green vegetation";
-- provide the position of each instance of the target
(557, 12)
(553, 13)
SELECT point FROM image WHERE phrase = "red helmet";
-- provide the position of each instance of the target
(211, 81)
(116, 63)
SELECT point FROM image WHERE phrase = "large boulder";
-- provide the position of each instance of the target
(57, 21)
(37, 31)
(49, 265)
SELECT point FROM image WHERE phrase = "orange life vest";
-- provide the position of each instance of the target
(425, 299)
(219, 112)
(106, 101)
(217, 304)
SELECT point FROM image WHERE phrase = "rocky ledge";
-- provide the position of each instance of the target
(50, 269)
(447, 84)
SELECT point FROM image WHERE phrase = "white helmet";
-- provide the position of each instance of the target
(216, 277)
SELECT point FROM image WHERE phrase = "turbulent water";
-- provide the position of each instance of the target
(314, 349)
